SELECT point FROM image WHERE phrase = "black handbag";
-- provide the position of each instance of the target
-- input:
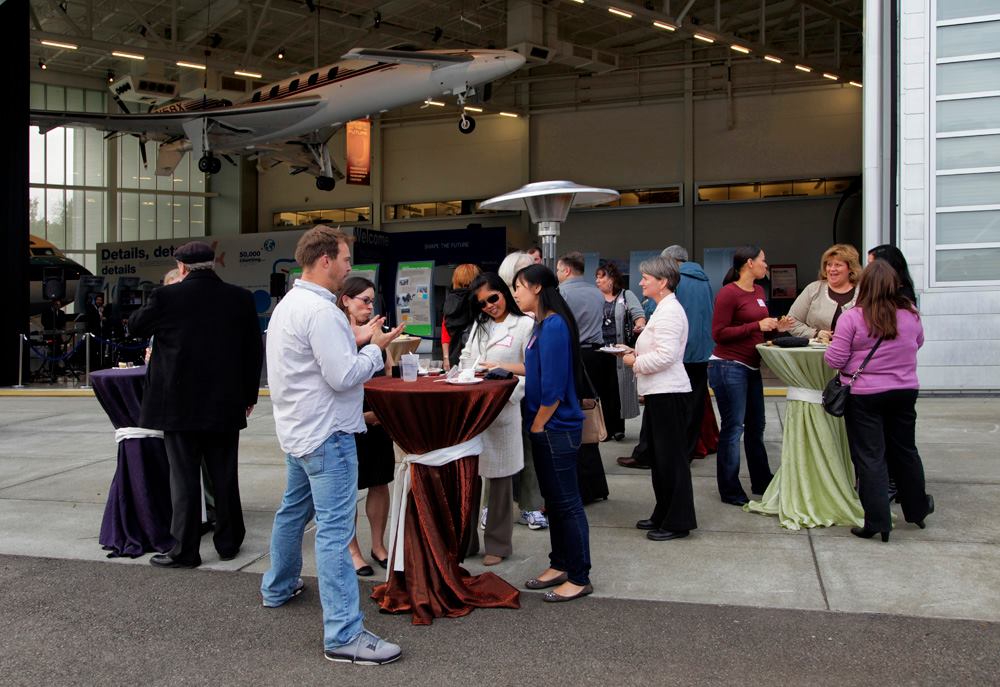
(835, 394)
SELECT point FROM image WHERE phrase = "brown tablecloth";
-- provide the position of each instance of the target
(423, 416)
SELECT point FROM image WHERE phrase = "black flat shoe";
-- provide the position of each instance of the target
(666, 535)
(229, 556)
(162, 560)
(382, 562)
(645, 525)
(868, 534)
(619, 436)
(364, 571)
(556, 598)
(737, 502)
(930, 509)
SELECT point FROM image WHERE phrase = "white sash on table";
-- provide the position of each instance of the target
(401, 490)
(799, 393)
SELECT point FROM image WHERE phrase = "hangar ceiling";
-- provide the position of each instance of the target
(587, 51)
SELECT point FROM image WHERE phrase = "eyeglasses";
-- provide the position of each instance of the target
(490, 300)
(366, 300)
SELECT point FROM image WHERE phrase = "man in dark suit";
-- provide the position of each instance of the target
(201, 385)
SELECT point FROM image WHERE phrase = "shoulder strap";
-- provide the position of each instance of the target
(867, 358)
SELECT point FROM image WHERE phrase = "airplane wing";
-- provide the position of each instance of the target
(244, 118)
(435, 60)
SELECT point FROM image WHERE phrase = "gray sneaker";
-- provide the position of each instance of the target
(367, 649)
(299, 587)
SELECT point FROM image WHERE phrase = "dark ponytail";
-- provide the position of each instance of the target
(740, 257)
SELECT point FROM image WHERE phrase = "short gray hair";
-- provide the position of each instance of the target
(662, 268)
(678, 253)
(195, 266)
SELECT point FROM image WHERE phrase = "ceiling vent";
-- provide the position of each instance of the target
(143, 89)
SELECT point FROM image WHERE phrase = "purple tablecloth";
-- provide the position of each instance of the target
(137, 515)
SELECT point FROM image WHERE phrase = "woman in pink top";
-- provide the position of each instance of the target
(881, 413)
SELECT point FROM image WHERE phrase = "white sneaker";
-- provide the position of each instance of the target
(367, 649)
(482, 519)
(537, 520)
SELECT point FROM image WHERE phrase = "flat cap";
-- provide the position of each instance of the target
(194, 252)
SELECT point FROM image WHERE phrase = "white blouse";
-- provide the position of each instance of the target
(659, 359)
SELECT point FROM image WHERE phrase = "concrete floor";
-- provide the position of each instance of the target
(57, 458)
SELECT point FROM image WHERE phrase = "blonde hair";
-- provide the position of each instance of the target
(845, 253)
(463, 275)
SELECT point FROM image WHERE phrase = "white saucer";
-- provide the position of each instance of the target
(611, 349)
(462, 381)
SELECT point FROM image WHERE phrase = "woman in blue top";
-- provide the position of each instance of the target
(555, 421)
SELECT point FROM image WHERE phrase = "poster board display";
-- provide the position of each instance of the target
(784, 281)
(413, 297)
(370, 272)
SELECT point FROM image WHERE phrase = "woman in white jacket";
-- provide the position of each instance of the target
(499, 338)
(658, 363)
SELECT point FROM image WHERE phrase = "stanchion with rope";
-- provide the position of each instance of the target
(21, 339)
(86, 370)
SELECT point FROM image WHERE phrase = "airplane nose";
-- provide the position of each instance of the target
(514, 61)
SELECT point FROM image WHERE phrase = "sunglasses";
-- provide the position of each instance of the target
(366, 300)
(490, 300)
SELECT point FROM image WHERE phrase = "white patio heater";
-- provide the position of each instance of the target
(548, 203)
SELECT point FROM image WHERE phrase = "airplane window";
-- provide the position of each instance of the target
(256, 97)
(332, 74)
(313, 78)
(294, 85)
(274, 92)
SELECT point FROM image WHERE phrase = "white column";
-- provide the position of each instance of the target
(873, 127)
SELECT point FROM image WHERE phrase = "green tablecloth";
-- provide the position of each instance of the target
(815, 484)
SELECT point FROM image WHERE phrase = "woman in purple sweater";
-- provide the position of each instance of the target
(881, 414)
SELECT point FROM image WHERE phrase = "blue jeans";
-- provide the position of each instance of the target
(740, 395)
(554, 453)
(323, 483)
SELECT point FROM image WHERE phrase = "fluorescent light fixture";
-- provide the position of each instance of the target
(57, 44)
(620, 13)
(803, 68)
(856, 84)
(772, 58)
(252, 75)
(579, 2)
(128, 55)
(740, 48)
(433, 102)
(703, 37)
(832, 77)
(664, 25)
(470, 108)
(191, 65)
(508, 114)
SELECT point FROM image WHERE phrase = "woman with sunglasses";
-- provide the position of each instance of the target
(555, 422)
(376, 461)
(499, 337)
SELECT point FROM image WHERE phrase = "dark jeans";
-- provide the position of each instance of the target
(739, 392)
(185, 452)
(881, 433)
(671, 470)
(554, 454)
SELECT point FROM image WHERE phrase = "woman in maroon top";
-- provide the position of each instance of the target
(738, 325)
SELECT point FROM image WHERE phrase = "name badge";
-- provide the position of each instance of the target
(531, 341)
(506, 342)
(760, 302)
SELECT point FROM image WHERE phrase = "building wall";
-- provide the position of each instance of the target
(961, 323)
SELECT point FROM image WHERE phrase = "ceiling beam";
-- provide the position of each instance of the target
(834, 12)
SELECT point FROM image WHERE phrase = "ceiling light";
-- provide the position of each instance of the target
(803, 68)
(127, 55)
(252, 75)
(832, 77)
(57, 44)
(740, 48)
(433, 102)
(620, 13)
(191, 65)
(703, 37)
(508, 114)
(281, 53)
(772, 58)
(855, 84)
(470, 108)
(664, 25)
(42, 65)
(111, 76)
(580, 2)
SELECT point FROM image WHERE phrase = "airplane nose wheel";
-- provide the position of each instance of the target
(325, 183)
(466, 124)
(209, 164)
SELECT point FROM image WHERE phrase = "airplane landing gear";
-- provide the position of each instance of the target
(209, 164)
(325, 183)
(466, 124)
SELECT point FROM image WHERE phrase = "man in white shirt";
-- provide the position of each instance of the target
(316, 375)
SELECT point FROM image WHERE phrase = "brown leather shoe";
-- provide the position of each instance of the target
(630, 462)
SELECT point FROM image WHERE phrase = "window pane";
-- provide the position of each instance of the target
(129, 216)
(968, 189)
(36, 156)
(74, 99)
(75, 155)
(74, 220)
(55, 156)
(55, 98)
(968, 77)
(974, 151)
(129, 156)
(968, 115)
(776, 189)
(955, 9)
(55, 216)
(968, 227)
(968, 39)
(182, 222)
(95, 101)
(94, 146)
(164, 217)
(147, 217)
(197, 217)
(93, 212)
(981, 264)
(37, 97)
(36, 211)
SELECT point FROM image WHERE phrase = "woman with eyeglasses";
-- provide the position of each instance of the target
(498, 339)
(376, 460)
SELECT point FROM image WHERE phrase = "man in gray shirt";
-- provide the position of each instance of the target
(583, 298)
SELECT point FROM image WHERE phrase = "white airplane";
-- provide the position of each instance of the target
(292, 120)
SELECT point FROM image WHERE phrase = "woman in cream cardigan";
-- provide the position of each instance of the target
(500, 334)
(819, 305)
(658, 363)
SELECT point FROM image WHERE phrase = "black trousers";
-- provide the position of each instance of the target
(881, 433)
(602, 368)
(698, 376)
(641, 451)
(185, 452)
(671, 472)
